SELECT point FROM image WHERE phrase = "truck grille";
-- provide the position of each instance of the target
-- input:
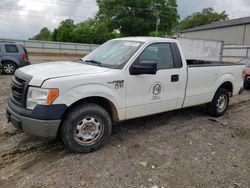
(18, 90)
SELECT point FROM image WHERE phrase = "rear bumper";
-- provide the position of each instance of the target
(23, 63)
(246, 83)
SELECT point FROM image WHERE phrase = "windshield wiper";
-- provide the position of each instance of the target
(80, 60)
(94, 61)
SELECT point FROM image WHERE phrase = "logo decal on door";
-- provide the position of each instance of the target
(156, 90)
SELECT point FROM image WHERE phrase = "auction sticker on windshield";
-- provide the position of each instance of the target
(135, 44)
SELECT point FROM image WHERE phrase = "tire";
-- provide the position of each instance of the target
(86, 128)
(246, 86)
(8, 68)
(219, 104)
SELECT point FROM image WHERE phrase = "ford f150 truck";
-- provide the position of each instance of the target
(122, 79)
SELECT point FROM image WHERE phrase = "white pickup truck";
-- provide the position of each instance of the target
(123, 79)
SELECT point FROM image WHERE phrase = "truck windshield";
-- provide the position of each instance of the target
(245, 62)
(113, 54)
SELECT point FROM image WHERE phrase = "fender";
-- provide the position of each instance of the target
(227, 77)
(9, 58)
(94, 90)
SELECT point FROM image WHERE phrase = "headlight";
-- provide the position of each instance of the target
(40, 96)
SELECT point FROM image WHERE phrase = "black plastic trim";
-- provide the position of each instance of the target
(25, 77)
(176, 55)
(213, 65)
(40, 112)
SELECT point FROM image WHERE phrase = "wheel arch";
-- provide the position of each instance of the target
(101, 101)
(9, 60)
(226, 81)
(228, 85)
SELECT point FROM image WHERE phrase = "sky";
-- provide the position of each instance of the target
(22, 19)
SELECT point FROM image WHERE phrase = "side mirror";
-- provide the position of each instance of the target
(143, 68)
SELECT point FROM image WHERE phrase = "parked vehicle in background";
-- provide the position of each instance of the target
(12, 56)
(123, 79)
(246, 72)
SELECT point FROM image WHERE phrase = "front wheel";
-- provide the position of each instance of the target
(86, 128)
(219, 104)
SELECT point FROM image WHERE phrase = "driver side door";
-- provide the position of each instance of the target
(153, 93)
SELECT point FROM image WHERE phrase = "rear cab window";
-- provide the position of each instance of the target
(11, 48)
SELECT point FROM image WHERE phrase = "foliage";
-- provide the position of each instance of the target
(118, 18)
(54, 34)
(138, 17)
(92, 31)
(44, 34)
(207, 16)
(128, 18)
(159, 34)
(65, 31)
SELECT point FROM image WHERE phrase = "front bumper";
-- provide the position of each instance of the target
(41, 128)
(30, 123)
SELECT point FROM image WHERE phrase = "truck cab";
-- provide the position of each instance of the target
(123, 79)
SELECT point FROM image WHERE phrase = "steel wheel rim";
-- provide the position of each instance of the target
(9, 68)
(88, 131)
(221, 103)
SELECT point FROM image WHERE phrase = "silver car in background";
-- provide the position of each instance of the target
(12, 56)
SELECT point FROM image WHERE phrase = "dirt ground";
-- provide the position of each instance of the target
(183, 148)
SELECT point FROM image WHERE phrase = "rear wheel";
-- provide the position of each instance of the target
(9, 68)
(86, 128)
(219, 104)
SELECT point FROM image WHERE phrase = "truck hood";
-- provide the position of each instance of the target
(43, 71)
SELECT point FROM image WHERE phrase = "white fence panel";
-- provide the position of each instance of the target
(235, 53)
(34, 46)
(230, 53)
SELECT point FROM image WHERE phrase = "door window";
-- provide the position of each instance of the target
(159, 53)
(11, 48)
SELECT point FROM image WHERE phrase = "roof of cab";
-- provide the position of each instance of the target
(147, 39)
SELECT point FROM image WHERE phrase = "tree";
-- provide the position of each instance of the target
(65, 31)
(54, 34)
(138, 17)
(92, 31)
(44, 34)
(207, 16)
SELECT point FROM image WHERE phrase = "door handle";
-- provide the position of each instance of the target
(175, 78)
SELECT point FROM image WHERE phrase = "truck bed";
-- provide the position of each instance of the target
(205, 79)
